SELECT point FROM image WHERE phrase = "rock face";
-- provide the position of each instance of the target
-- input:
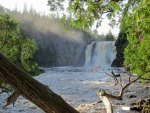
(57, 47)
(120, 44)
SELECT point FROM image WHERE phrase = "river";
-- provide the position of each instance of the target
(76, 85)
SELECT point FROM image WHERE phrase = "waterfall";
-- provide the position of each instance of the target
(100, 53)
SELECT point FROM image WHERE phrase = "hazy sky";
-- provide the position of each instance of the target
(41, 7)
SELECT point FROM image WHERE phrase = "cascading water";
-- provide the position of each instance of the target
(100, 53)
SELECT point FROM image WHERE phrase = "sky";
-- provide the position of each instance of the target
(41, 7)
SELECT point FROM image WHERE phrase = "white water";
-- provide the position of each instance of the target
(100, 54)
(76, 85)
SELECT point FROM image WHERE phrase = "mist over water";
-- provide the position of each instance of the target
(100, 54)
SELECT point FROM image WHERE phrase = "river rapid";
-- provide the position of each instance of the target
(76, 85)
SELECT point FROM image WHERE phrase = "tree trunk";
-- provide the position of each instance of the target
(31, 89)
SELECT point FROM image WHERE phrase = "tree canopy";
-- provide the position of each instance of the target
(84, 13)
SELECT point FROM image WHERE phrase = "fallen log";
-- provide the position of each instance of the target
(31, 89)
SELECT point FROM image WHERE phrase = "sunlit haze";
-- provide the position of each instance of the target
(41, 7)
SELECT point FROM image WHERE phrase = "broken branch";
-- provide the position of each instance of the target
(11, 99)
(105, 100)
(119, 97)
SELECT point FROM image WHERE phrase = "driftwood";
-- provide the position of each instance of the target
(31, 89)
(119, 97)
(114, 76)
(130, 74)
(142, 106)
(106, 96)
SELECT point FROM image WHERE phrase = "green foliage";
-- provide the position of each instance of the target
(134, 18)
(83, 14)
(13, 45)
(28, 48)
(137, 52)
(8, 37)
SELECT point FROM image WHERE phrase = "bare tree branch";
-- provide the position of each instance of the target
(118, 97)
(11, 99)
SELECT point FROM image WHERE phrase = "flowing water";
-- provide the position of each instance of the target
(77, 85)
(100, 54)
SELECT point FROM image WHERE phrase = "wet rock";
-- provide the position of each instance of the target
(121, 103)
(21, 110)
(132, 96)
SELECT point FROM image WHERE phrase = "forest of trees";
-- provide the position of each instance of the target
(35, 26)
(134, 21)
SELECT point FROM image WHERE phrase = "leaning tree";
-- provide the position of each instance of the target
(31, 89)
(83, 14)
